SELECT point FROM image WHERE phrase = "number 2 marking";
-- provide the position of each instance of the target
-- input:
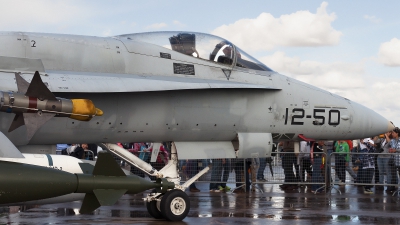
(34, 44)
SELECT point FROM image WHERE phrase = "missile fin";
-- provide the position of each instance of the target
(8, 149)
(38, 89)
(89, 204)
(108, 197)
(22, 84)
(107, 166)
(86, 168)
(34, 121)
(17, 122)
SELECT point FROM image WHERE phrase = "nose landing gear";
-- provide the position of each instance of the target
(174, 205)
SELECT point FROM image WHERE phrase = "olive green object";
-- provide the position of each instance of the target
(23, 182)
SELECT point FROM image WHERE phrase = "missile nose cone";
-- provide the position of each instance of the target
(84, 110)
(99, 112)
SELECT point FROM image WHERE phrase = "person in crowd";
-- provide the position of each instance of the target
(328, 147)
(317, 177)
(226, 166)
(71, 148)
(383, 161)
(288, 160)
(356, 163)
(342, 158)
(394, 163)
(137, 147)
(242, 175)
(296, 165)
(349, 165)
(263, 164)
(220, 167)
(260, 172)
(216, 172)
(305, 161)
(62, 148)
(144, 152)
(93, 148)
(377, 148)
(254, 167)
(85, 148)
(79, 151)
(367, 162)
(361, 145)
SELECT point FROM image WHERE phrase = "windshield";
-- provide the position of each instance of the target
(199, 45)
(244, 60)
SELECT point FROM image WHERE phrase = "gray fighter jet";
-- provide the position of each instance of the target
(201, 92)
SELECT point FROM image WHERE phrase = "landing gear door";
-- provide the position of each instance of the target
(254, 145)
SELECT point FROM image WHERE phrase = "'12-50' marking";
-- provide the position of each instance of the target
(318, 115)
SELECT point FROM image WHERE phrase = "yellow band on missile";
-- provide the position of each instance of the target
(84, 110)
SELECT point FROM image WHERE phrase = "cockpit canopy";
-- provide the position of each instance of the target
(203, 46)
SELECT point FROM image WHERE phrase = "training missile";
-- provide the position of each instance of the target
(24, 182)
(34, 104)
(78, 109)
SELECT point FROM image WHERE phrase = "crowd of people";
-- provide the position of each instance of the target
(372, 162)
(368, 161)
(80, 151)
(308, 164)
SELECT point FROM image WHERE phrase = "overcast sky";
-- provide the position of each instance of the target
(351, 48)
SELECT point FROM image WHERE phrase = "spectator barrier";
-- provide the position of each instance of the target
(324, 171)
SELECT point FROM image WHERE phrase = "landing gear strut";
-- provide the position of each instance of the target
(169, 202)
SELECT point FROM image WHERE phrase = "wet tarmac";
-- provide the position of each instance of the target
(274, 206)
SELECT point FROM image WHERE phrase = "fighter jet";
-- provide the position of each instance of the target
(201, 92)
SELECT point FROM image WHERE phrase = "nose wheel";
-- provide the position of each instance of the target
(174, 206)
(153, 208)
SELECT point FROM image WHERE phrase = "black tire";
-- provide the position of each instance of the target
(175, 205)
(153, 210)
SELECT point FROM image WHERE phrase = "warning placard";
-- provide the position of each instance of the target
(165, 55)
(187, 69)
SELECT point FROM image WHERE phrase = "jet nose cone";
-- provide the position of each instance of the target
(368, 123)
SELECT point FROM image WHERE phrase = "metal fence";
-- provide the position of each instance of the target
(365, 169)
(287, 168)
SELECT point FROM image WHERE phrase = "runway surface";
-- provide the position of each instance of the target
(273, 206)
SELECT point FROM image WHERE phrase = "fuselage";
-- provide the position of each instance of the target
(149, 92)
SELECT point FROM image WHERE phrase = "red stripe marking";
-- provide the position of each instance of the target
(32, 104)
